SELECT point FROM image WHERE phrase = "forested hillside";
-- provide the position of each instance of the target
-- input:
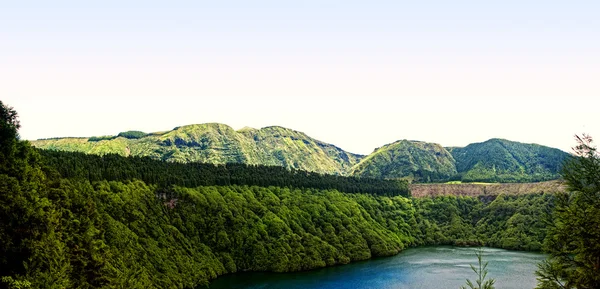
(64, 225)
(499, 160)
(113, 167)
(218, 144)
(495, 160)
(413, 160)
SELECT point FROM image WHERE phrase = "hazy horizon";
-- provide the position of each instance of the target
(353, 74)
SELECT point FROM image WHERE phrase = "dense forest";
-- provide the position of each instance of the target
(69, 220)
(499, 160)
(113, 167)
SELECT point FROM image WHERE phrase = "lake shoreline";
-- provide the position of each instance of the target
(497, 256)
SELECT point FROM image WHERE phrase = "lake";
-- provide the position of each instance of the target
(415, 268)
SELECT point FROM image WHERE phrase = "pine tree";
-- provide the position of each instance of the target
(573, 240)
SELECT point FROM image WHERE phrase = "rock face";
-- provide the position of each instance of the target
(219, 144)
(495, 160)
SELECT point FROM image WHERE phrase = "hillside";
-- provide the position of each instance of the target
(74, 220)
(495, 160)
(130, 233)
(219, 144)
(112, 167)
(418, 161)
(499, 160)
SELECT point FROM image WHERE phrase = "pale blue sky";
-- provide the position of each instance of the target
(357, 74)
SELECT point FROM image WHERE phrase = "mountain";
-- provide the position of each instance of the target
(416, 160)
(495, 160)
(219, 144)
(500, 160)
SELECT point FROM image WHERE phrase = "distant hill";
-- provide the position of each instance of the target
(499, 160)
(495, 160)
(415, 160)
(219, 144)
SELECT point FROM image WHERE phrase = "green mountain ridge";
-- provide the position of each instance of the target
(500, 160)
(219, 144)
(495, 160)
(415, 160)
(76, 220)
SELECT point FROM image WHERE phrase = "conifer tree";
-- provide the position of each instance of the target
(573, 239)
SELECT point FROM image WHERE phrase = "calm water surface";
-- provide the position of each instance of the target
(415, 268)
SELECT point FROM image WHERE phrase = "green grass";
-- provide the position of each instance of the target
(220, 144)
(493, 161)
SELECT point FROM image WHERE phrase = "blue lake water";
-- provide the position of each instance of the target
(415, 268)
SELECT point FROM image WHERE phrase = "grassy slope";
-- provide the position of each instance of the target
(219, 144)
(416, 160)
(495, 160)
(498, 160)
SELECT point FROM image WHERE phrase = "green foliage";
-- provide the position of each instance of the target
(499, 160)
(116, 168)
(9, 124)
(481, 272)
(30, 250)
(132, 134)
(101, 138)
(219, 144)
(71, 220)
(418, 161)
(573, 238)
(15, 284)
(552, 275)
(516, 223)
(505, 221)
(495, 160)
(492, 161)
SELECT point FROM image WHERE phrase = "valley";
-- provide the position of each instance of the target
(102, 219)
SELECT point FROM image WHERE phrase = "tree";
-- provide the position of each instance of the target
(9, 124)
(31, 252)
(12, 198)
(573, 238)
(16, 284)
(481, 272)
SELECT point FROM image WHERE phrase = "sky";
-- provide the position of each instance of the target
(357, 74)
